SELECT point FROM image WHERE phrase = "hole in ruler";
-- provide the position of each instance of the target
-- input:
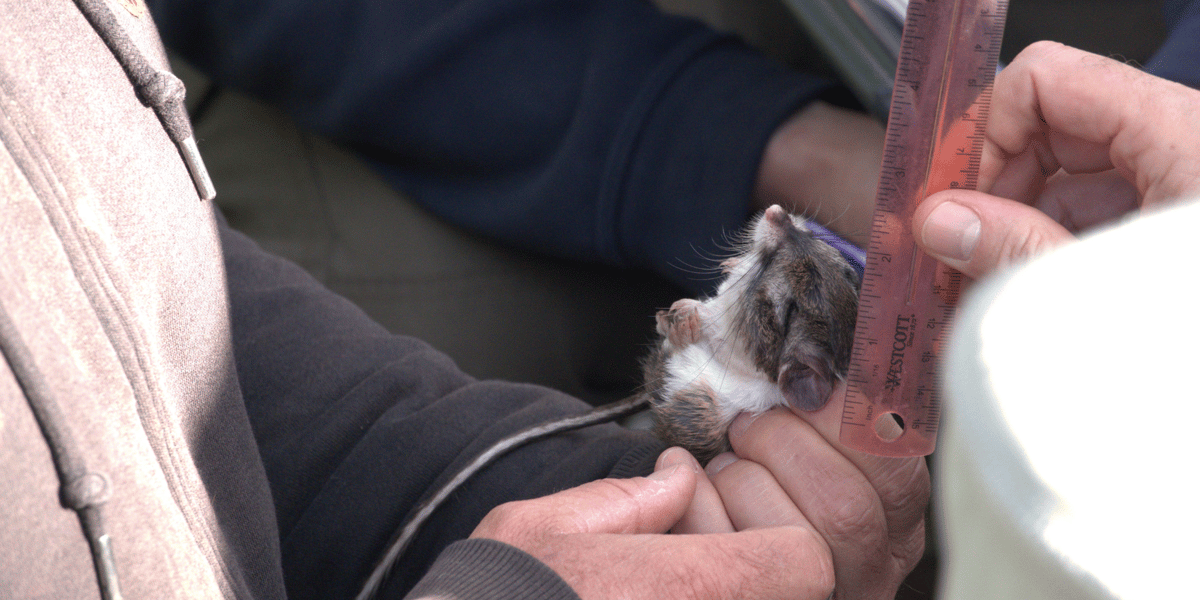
(889, 426)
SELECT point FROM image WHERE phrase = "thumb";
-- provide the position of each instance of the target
(977, 233)
(639, 505)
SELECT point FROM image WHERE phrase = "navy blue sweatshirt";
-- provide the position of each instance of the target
(600, 130)
(1179, 57)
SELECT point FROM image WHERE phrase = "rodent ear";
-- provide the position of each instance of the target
(805, 384)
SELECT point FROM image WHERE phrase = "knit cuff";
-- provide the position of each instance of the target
(482, 568)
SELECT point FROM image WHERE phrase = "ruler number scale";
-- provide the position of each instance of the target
(934, 142)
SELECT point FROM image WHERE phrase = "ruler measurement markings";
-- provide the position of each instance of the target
(900, 331)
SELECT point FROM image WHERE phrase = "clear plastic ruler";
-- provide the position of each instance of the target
(935, 135)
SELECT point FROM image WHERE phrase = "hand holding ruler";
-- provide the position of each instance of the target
(935, 135)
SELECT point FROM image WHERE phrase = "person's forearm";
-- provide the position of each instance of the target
(824, 163)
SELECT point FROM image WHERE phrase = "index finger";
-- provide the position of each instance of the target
(870, 509)
(902, 484)
(1057, 106)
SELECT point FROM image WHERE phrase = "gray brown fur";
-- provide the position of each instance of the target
(688, 418)
(791, 316)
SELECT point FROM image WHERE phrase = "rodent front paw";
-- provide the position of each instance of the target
(682, 324)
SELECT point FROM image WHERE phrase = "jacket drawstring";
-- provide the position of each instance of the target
(160, 90)
(80, 489)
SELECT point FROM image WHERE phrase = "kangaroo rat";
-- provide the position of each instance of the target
(778, 331)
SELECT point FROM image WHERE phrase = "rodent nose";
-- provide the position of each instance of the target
(776, 216)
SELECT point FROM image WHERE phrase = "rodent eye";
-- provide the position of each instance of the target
(852, 276)
(788, 313)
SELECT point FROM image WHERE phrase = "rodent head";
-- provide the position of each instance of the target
(797, 300)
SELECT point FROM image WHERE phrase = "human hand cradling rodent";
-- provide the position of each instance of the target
(1073, 140)
(794, 514)
(789, 469)
(797, 517)
(603, 538)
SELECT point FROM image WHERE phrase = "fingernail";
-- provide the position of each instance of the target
(741, 424)
(664, 474)
(676, 457)
(719, 462)
(951, 231)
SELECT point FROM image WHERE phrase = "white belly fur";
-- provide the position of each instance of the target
(738, 389)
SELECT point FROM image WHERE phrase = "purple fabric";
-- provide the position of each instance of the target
(854, 254)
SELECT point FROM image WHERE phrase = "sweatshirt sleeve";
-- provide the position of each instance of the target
(490, 569)
(601, 130)
(355, 424)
